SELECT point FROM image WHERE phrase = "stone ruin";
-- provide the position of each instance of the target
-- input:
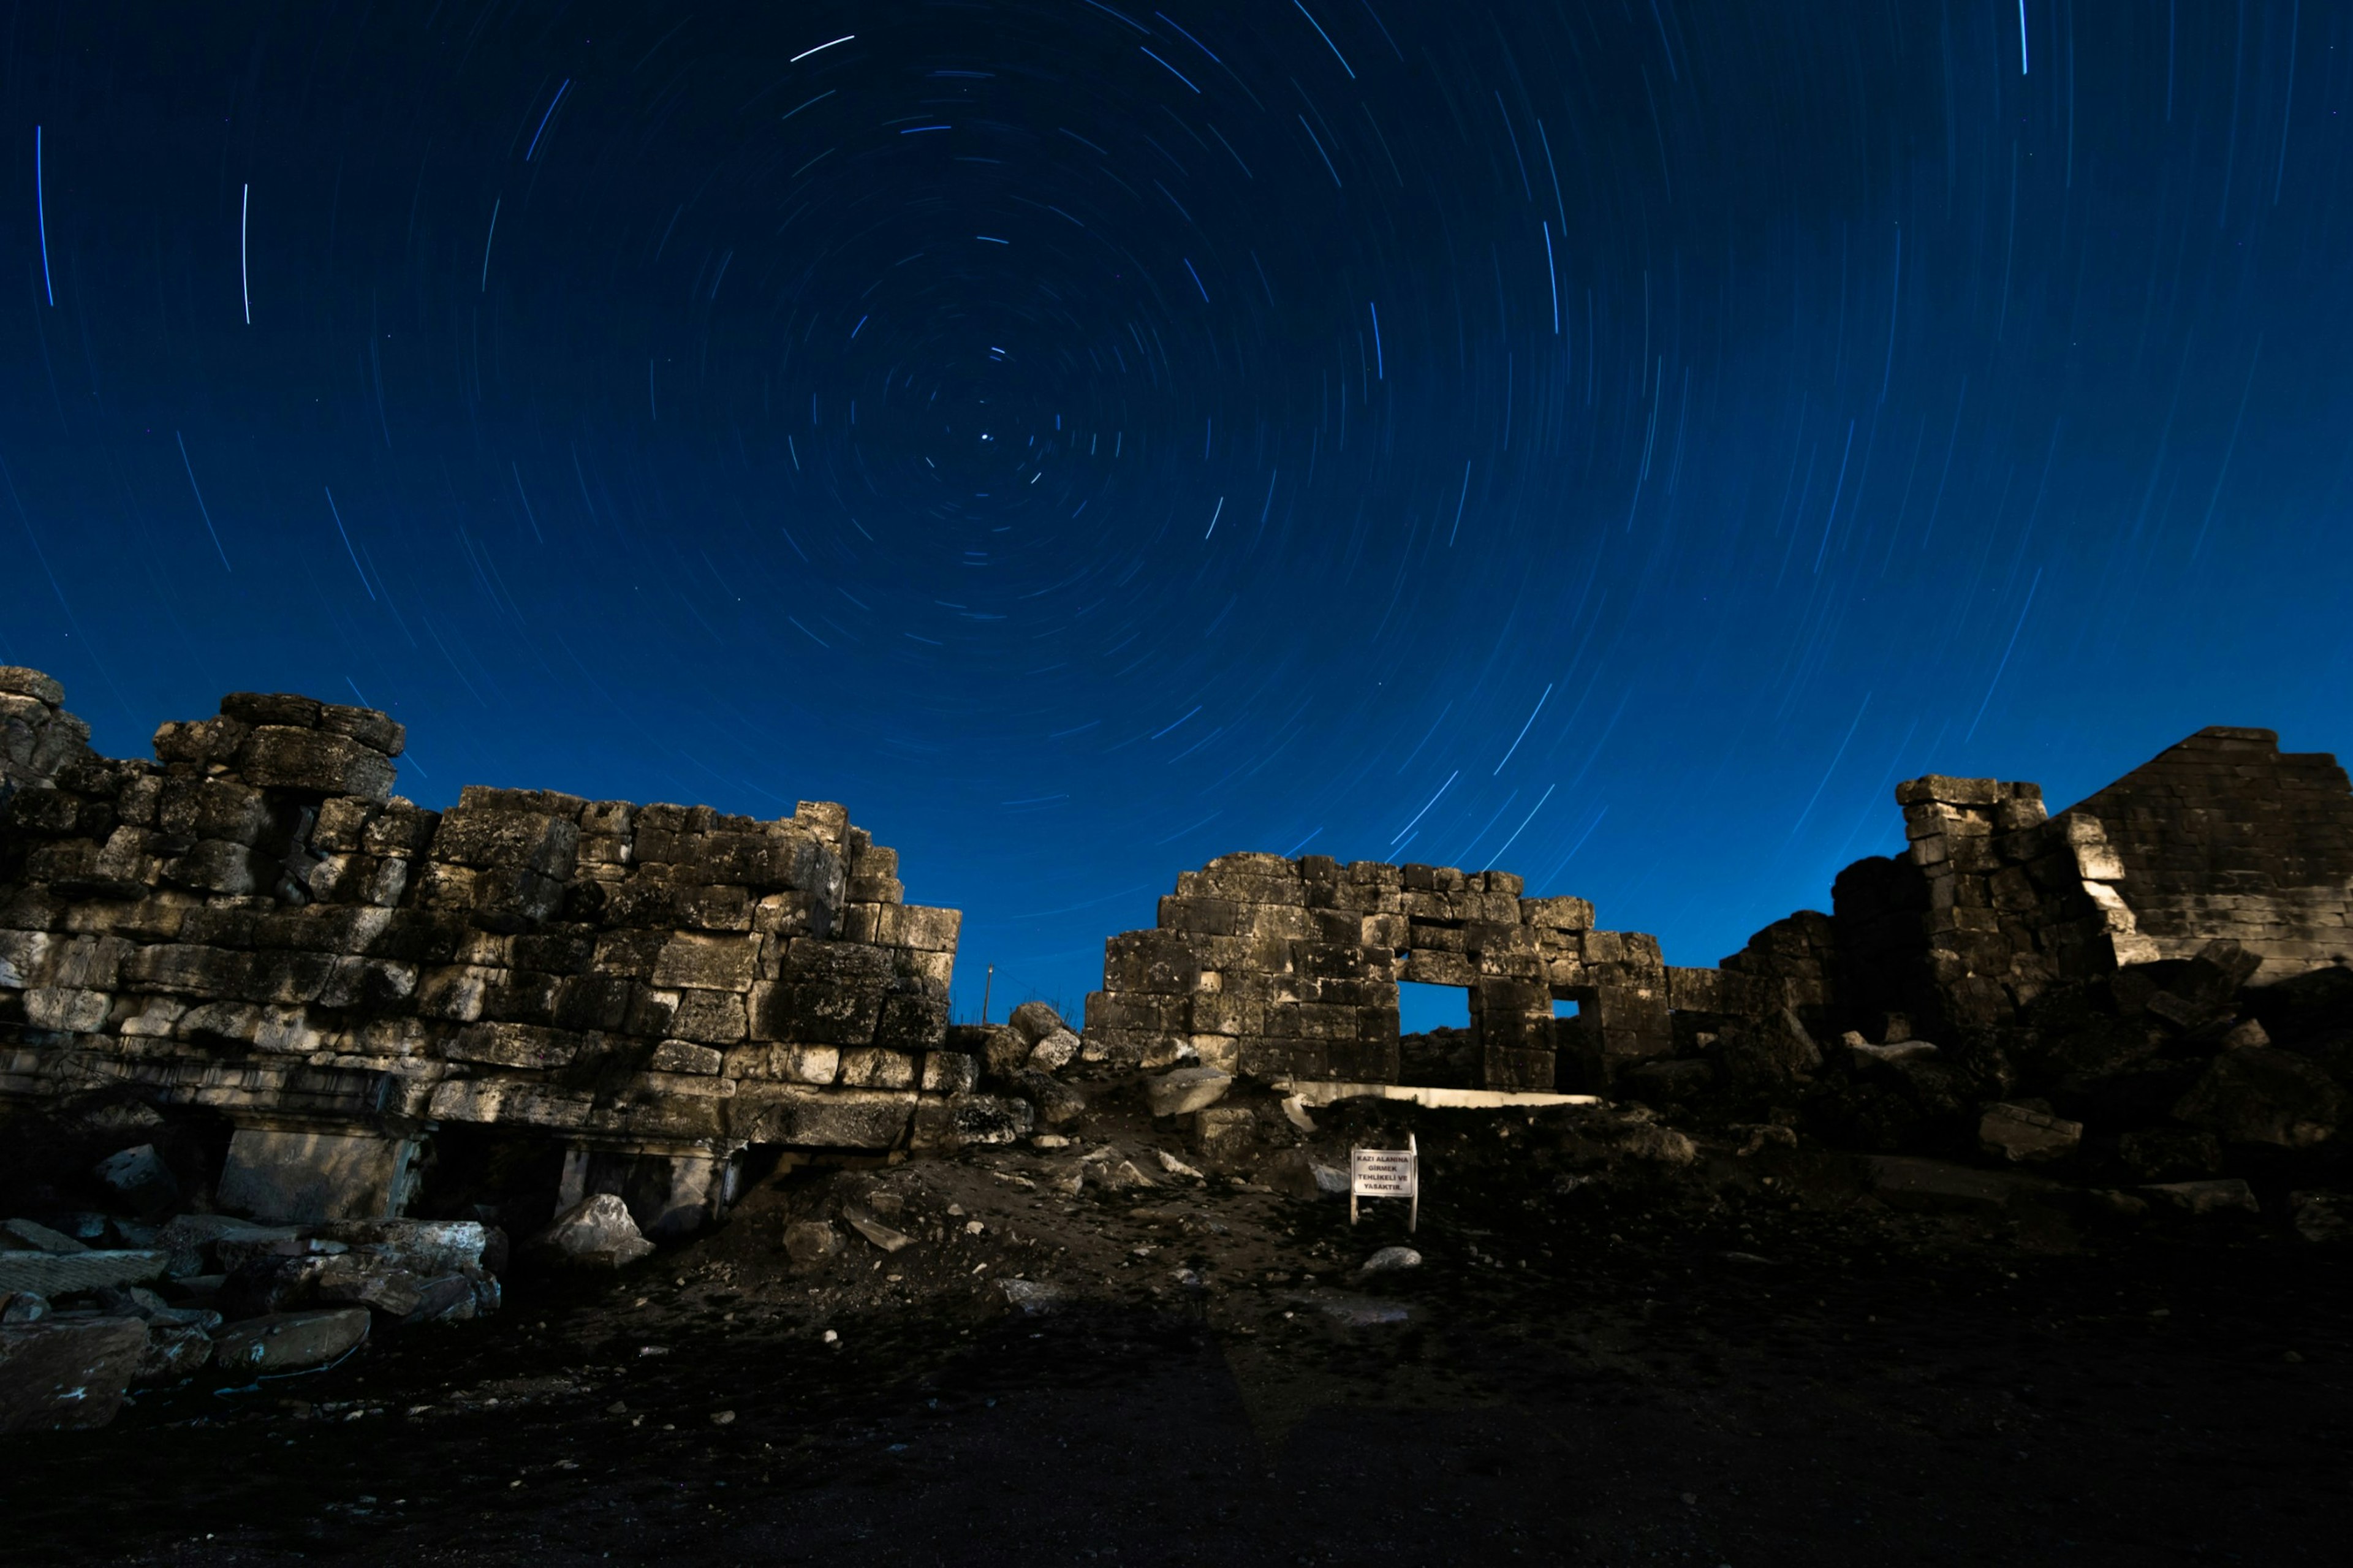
(1288, 970)
(253, 926)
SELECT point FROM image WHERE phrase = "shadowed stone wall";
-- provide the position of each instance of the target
(2225, 836)
(255, 923)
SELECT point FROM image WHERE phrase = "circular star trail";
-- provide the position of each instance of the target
(1610, 443)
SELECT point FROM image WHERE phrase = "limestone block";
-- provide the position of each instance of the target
(66, 1009)
(835, 1013)
(2019, 1133)
(786, 1063)
(401, 829)
(1186, 1090)
(686, 1057)
(953, 1072)
(867, 1067)
(525, 1101)
(1033, 1021)
(513, 1044)
(709, 1017)
(822, 1119)
(286, 1175)
(276, 756)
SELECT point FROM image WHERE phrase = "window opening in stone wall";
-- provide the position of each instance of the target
(1436, 1048)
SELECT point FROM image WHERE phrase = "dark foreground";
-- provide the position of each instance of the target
(1738, 1380)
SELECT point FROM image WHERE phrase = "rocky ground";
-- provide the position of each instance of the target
(1620, 1342)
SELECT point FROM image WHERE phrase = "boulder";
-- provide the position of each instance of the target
(1185, 1090)
(2260, 1095)
(1058, 1104)
(1034, 1021)
(810, 1242)
(289, 1341)
(141, 1179)
(174, 1351)
(2021, 1134)
(1055, 1052)
(366, 1280)
(61, 1374)
(595, 1233)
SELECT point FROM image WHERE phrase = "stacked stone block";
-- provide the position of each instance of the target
(1288, 969)
(254, 922)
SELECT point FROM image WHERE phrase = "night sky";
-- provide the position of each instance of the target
(1612, 442)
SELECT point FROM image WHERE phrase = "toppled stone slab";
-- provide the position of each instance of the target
(289, 1341)
(2023, 1135)
(31, 1235)
(2226, 1195)
(67, 1375)
(1185, 1090)
(810, 1242)
(57, 1274)
(1901, 1181)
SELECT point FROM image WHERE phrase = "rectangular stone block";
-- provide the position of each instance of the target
(1519, 1070)
(278, 757)
(835, 1013)
(786, 1063)
(819, 1119)
(513, 1044)
(708, 963)
(282, 1176)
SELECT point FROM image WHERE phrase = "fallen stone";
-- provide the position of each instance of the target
(1296, 1175)
(190, 1239)
(272, 1283)
(1032, 1296)
(1756, 1137)
(1058, 1104)
(23, 1307)
(810, 1242)
(1113, 1172)
(1355, 1311)
(986, 1119)
(595, 1233)
(2021, 1134)
(1186, 1090)
(363, 1279)
(453, 1299)
(873, 1229)
(174, 1351)
(289, 1341)
(138, 1302)
(1035, 1021)
(1389, 1258)
(2170, 1153)
(67, 1375)
(2226, 1195)
(2259, 1095)
(234, 1251)
(429, 1248)
(1055, 1052)
(1905, 1183)
(1864, 1054)
(1224, 1135)
(72, 1273)
(29, 1236)
(141, 1179)
(2250, 1033)
(1177, 1167)
(2324, 1218)
(1294, 1111)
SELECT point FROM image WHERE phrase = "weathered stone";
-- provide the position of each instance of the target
(867, 1224)
(65, 1374)
(1186, 1090)
(1033, 1021)
(279, 757)
(289, 1341)
(595, 1233)
(2021, 1134)
(1058, 1104)
(810, 1242)
(140, 1178)
(280, 1174)
(2227, 1196)
(57, 1274)
(2259, 1095)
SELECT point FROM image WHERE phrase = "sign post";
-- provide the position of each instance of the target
(1386, 1174)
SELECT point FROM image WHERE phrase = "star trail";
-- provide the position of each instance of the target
(1669, 424)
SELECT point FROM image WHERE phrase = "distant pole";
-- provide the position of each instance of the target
(987, 980)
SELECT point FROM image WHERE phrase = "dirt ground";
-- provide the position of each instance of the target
(1744, 1361)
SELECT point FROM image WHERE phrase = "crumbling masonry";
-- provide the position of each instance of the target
(1288, 969)
(255, 924)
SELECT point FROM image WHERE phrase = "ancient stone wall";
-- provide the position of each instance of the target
(2225, 836)
(1278, 968)
(255, 923)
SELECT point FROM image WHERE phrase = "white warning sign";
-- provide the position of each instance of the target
(1386, 1174)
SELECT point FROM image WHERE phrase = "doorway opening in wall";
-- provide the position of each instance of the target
(1436, 1046)
(1577, 1041)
